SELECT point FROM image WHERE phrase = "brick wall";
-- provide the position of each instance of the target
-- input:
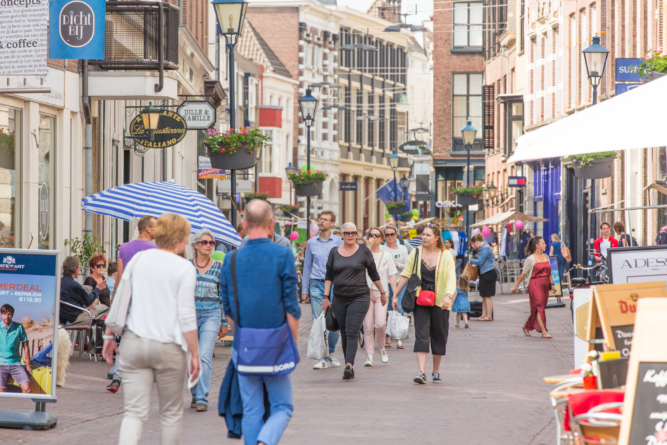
(195, 17)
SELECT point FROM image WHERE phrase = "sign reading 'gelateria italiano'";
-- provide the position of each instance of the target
(170, 131)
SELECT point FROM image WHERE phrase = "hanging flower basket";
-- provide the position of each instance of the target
(655, 76)
(250, 196)
(240, 160)
(467, 199)
(309, 188)
(307, 183)
(235, 149)
(406, 217)
(592, 165)
(395, 209)
(289, 210)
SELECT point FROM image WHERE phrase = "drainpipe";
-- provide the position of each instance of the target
(88, 151)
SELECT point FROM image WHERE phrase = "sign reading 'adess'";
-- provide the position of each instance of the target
(79, 29)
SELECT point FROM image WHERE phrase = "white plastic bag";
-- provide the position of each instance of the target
(318, 346)
(397, 325)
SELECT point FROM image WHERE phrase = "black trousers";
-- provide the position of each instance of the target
(350, 313)
(431, 323)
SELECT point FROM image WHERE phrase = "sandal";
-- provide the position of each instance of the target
(457, 326)
(387, 344)
(546, 336)
(399, 345)
(525, 331)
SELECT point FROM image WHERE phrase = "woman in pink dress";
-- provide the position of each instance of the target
(537, 270)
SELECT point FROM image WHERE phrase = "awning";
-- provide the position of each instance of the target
(635, 119)
(512, 215)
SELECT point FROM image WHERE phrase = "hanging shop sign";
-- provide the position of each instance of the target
(350, 186)
(412, 148)
(77, 29)
(199, 115)
(422, 191)
(23, 37)
(517, 181)
(170, 131)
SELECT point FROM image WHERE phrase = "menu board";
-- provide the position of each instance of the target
(649, 418)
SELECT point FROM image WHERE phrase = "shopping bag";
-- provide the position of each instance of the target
(318, 347)
(397, 325)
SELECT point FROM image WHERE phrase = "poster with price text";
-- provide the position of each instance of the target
(29, 302)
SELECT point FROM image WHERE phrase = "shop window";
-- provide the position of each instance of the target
(265, 164)
(468, 21)
(401, 128)
(10, 148)
(45, 184)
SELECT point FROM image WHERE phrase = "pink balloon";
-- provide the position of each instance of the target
(314, 229)
(476, 231)
(294, 236)
(486, 231)
(518, 225)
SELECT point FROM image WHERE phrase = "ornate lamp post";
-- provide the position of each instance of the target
(595, 57)
(468, 132)
(308, 108)
(290, 170)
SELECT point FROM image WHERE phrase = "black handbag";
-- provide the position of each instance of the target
(330, 317)
(410, 296)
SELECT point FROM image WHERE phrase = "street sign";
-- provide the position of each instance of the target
(77, 29)
(199, 115)
(348, 186)
(626, 70)
(625, 87)
(171, 130)
(517, 181)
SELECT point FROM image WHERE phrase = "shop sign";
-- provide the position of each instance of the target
(625, 87)
(171, 130)
(44, 211)
(350, 186)
(77, 29)
(517, 181)
(206, 171)
(440, 204)
(23, 37)
(199, 115)
(626, 70)
(422, 192)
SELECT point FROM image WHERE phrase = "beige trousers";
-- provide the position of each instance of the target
(99, 307)
(375, 322)
(140, 361)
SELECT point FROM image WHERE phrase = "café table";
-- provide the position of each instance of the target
(559, 378)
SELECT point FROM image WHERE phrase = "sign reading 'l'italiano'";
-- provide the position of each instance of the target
(170, 131)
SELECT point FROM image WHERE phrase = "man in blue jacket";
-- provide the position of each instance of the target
(266, 283)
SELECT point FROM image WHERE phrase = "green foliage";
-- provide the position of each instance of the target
(6, 139)
(406, 215)
(249, 196)
(290, 208)
(86, 248)
(394, 204)
(586, 160)
(230, 141)
(654, 62)
(303, 177)
(475, 191)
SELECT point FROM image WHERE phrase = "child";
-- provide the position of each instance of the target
(461, 304)
(112, 270)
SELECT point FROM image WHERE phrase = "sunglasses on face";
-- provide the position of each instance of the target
(432, 226)
(374, 235)
(350, 233)
(389, 234)
(207, 243)
(100, 266)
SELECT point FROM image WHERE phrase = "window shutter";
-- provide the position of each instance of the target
(489, 107)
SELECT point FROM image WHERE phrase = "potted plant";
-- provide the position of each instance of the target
(395, 208)
(7, 148)
(592, 165)
(654, 65)
(406, 216)
(250, 196)
(468, 195)
(235, 150)
(588, 370)
(289, 209)
(307, 183)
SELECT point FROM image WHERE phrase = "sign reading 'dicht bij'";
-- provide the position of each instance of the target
(77, 29)
(23, 39)
(170, 131)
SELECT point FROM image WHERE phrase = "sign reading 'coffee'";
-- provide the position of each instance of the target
(649, 414)
(170, 131)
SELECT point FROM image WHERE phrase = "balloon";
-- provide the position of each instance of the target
(217, 255)
(294, 236)
(415, 212)
(416, 218)
(476, 231)
(486, 231)
(314, 228)
(304, 168)
(518, 225)
(391, 219)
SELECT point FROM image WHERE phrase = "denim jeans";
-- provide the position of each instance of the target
(400, 299)
(316, 295)
(280, 397)
(208, 326)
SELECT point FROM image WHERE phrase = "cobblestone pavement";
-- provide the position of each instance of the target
(492, 393)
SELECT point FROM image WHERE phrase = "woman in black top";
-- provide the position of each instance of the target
(346, 269)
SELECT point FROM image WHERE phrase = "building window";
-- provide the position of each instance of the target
(468, 20)
(265, 164)
(360, 113)
(10, 149)
(467, 103)
(45, 184)
(401, 128)
(513, 125)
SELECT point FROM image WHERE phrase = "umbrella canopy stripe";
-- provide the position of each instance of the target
(155, 198)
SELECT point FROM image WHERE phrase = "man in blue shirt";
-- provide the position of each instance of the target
(314, 272)
(12, 335)
(266, 284)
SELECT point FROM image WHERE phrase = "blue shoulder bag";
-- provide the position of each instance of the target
(262, 352)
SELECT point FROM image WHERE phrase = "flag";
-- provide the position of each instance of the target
(386, 193)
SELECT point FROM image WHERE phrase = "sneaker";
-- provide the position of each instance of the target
(383, 356)
(333, 362)
(110, 376)
(369, 360)
(201, 407)
(436, 377)
(348, 374)
(322, 364)
(113, 386)
(193, 404)
(421, 378)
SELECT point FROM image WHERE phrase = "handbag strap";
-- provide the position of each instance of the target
(378, 267)
(236, 295)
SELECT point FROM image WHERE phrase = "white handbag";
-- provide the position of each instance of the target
(318, 346)
(120, 306)
(398, 325)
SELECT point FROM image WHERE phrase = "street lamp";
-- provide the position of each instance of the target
(393, 162)
(308, 108)
(405, 182)
(595, 57)
(150, 117)
(468, 132)
(290, 170)
(231, 17)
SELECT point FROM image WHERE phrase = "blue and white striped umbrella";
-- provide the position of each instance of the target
(155, 198)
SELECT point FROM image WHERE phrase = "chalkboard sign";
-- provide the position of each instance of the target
(649, 412)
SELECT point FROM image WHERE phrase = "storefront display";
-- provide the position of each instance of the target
(10, 148)
(47, 138)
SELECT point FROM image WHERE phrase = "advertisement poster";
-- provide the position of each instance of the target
(206, 171)
(76, 29)
(638, 264)
(29, 296)
(23, 38)
(553, 261)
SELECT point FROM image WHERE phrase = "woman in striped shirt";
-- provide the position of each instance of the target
(211, 322)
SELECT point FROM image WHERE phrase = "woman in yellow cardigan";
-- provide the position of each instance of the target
(438, 276)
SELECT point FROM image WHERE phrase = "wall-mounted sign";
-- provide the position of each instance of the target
(348, 186)
(412, 148)
(199, 115)
(422, 191)
(170, 131)
(440, 204)
(638, 264)
(625, 87)
(206, 171)
(517, 181)
(23, 37)
(77, 29)
(626, 70)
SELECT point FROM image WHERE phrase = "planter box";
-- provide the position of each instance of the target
(310, 188)
(240, 160)
(654, 76)
(600, 169)
(397, 211)
(467, 200)
(406, 218)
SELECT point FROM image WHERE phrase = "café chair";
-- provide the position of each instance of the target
(590, 419)
(82, 330)
(563, 433)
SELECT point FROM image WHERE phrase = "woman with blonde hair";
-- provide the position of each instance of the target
(556, 246)
(487, 275)
(435, 267)
(160, 337)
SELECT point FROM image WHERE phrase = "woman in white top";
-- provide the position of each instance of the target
(399, 253)
(161, 328)
(375, 323)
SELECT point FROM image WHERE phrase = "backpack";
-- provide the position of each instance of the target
(565, 252)
(632, 241)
